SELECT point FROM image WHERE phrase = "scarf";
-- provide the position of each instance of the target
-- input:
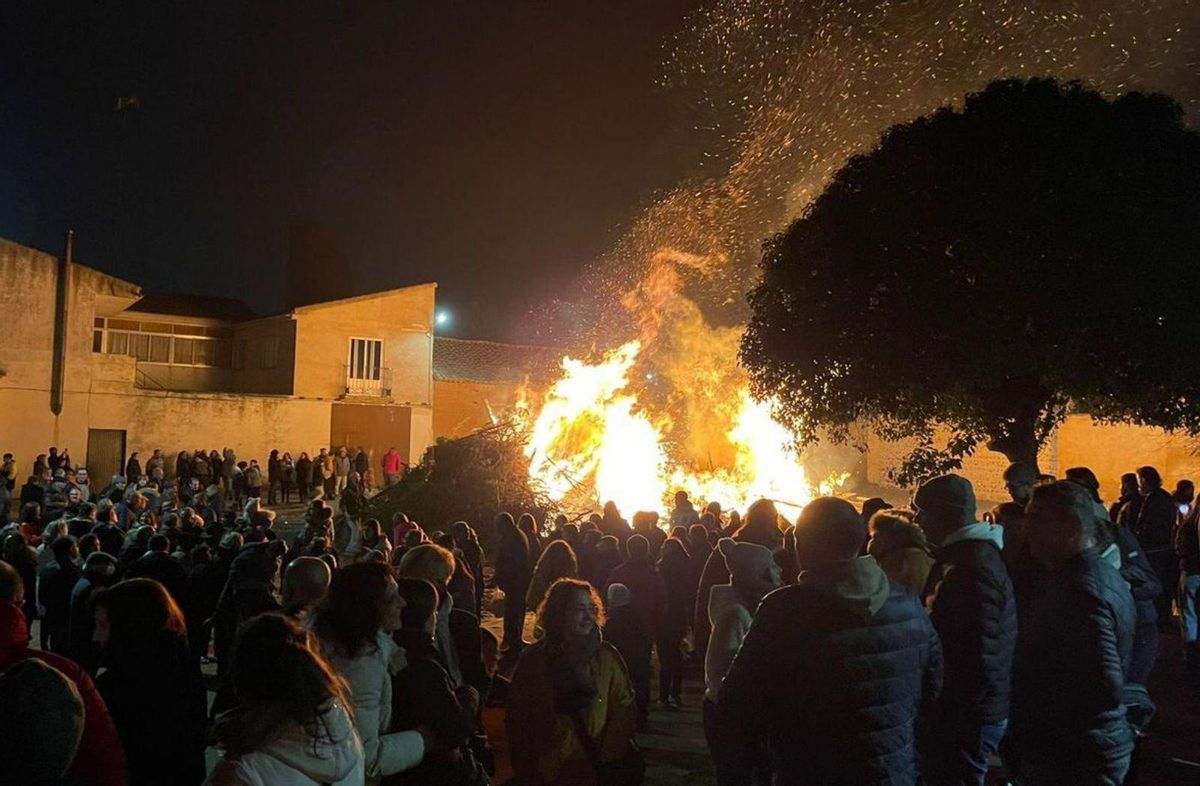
(569, 659)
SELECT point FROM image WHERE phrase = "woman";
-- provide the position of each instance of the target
(432, 563)
(900, 548)
(274, 479)
(557, 562)
(679, 580)
(304, 475)
(567, 683)
(467, 543)
(425, 696)
(528, 526)
(292, 725)
(354, 625)
(512, 577)
(287, 476)
(151, 683)
(753, 573)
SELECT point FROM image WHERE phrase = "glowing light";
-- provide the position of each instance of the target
(442, 318)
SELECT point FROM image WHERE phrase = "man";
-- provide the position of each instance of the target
(8, 472)
(56, 581)
(1019, 479)
(341, 471)
(1154, 527)
(133, 467)
(684, 513)
(305, 582)
(1067, 723)
(158, 564)
(391, 467)
(834, 669)
(975, 614)
(1187, 549)
(324, 463)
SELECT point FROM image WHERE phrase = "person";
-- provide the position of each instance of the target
(645, 585)
(753, 574)
(249, 590)
(1187, 549)
(869, 657)
(390, 464)
(99, 571)
(254, 480)
(623, 628)
(1154, 526)
(1068, 720)
(973, 610)
(274, 477)
(900, 548)
(305, 582)
(512, 577)
(23, 560)
(557, 562)
(151, 683)
(571, 709)
(354, 624)
(1128, 498)
(613, 523)
(42, 724)
(229, 470)
(324, 472)
(1020, 479)
(529, 528)
(605, 557)
(304, 476)
(100, 760)
(645, 523)
(684, 513)
(292, 725)
(467, 543)
(55, 583)
(679, 583)
(362, 462)
(424, 696)
(158, 564)
(287, 477)
(341, 472)
(761, 527)
(1183, 496)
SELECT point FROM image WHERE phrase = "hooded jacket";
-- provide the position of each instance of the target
(974, 611)
(730, 618)
(833, 673)
(297, 759)
(100, 760)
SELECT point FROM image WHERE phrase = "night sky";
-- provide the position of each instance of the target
(493, 147)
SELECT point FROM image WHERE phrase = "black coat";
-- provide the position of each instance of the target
(1187, 543)
(835, 694)
(164, 569)
(513, 566)
(1156, 520)
(111, 537)
(974, 611)
(1067, 723)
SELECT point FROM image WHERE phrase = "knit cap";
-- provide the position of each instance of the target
(747, 562)
(948, 495)
(618, 596)
(41, 725)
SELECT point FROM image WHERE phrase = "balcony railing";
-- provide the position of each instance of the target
(358, 386)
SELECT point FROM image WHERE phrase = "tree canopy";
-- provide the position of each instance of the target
(986, 267)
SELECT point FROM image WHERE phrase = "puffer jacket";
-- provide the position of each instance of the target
(369, 676)
(974, 611)
(833, 673)
(297, 759)
(1067, 723)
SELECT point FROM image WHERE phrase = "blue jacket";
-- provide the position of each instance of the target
(832, 674)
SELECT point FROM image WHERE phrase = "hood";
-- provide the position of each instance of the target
(13, 634)
(858, 583)
(723, 599)
(980, 530)
(331, 759)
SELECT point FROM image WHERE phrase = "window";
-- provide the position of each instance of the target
(160, 349)
(270, 353)
(118, 343)
(366, 359)
(185, 351)
(97, 340)
(139, 346)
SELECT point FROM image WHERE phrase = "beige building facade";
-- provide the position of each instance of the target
(90, 363)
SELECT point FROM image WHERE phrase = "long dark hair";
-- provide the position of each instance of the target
(279, 676)
(353, 609)
(557, 562)
(144, 622)
(552, 614)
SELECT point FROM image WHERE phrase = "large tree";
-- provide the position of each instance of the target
(986, 267)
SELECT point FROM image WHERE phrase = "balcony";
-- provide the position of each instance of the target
(364, 387)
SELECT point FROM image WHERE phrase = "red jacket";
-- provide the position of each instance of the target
(648, 595)
(101, 759)
(391, 463)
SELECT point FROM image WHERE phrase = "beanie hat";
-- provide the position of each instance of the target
(232, 541)
(99, 565)
(618, 596)
(41, 725)
(948, 495)
(747, 562)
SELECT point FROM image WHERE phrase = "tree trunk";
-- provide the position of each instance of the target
(1017, 442)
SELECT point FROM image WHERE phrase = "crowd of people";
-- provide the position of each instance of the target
(879, 645)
